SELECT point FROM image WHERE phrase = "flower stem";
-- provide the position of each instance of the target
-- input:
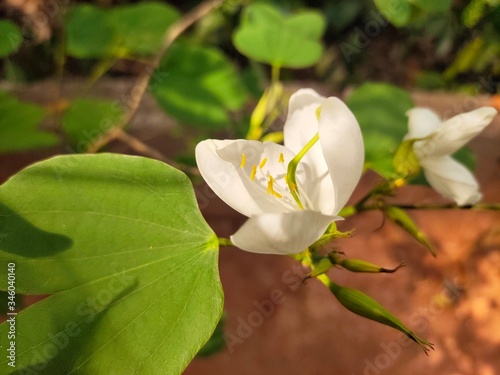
(292, 169)
(275, 73)
(225, 242)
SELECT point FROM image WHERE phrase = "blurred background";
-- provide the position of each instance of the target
(56, 78)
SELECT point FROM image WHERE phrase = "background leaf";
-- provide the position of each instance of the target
(87, 119)
(19, 125)
(265, 35)
(140, 27)
(10, 37)
(87, 42)
(134, 269)
(198, 85)
(396, 12)
(433, 6)
(381, 112)
(135, 29)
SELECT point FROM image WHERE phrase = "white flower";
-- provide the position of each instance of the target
(441, 139)
(251, 176)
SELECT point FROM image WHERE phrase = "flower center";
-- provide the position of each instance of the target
(271, 173)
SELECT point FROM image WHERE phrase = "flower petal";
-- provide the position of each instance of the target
(312, 173)
(451, 179)
(456, 132)
(223, 177)
(421, 122)
(220, 164)
(282, 233)
(301, 122)
(342, 144)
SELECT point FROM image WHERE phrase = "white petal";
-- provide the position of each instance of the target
(342, 144)
(219, 163)
(301, 122)
(223, 178)
(421, 122)
(285, 233)
(456, 132)
(451, 179)
(312, 174)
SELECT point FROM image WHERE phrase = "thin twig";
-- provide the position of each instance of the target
(437, 206)
(141, 85)
(144, 149)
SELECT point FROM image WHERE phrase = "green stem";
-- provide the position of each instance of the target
(292, 169)
(225, 242)
(275, 73)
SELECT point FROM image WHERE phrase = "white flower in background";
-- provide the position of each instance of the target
(441, 139)
(251, 177)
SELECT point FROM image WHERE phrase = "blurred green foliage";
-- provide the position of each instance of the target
(266, 35)
(19, 125)
(10, 37)
(381, 113)
(198, 85)
(87, 119)
(121, 31)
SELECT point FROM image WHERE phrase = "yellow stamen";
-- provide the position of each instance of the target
(281, 158)
(254, 172)
(285, 177)
(262, 163)
(270, 188)
(243, 160)
(270, 185)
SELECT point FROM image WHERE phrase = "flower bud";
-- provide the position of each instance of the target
(405, 161)
(365, 306)
(401, 218)
(358, 265)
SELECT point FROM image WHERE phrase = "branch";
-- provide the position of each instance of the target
(141, 85)
(144, 149)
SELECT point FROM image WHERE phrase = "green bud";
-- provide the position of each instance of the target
(264, 108)
(276, 137)
(405, 161)
(365, 306)
(401, 218)
(320, 268)
(358, 265)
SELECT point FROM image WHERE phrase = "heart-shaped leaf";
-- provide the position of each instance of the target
(131, 264)
(140, 27)
(85, 41)
(266, 35)
(128, 30)
(198, 85)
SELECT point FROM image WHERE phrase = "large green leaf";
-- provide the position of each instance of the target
(381, 112)
(266, 35)
(19, 125)
(87, 119)
(10, 37)
(131, 263)
(198, 85)
(135, 29)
